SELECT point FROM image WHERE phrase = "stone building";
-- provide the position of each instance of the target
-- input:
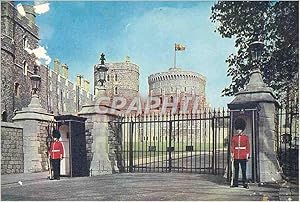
(58, 94)
(178, 83)
(17, 33)
(122, 80)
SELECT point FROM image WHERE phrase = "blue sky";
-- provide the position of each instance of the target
(77, 32)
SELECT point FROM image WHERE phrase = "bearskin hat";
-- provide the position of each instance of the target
(56, 134)
(240, 124)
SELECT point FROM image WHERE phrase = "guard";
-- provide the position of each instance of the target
(56, 153)
(240, 152)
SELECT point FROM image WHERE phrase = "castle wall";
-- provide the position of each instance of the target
(57, 94)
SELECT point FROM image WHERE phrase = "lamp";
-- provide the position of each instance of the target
(101, 70)
(35, 80)
(256, 49)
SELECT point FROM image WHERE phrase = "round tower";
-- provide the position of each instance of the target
(177, 83)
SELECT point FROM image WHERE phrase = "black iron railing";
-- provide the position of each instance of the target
(287, 138)
(194, 143)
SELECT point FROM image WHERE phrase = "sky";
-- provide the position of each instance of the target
(78, 32)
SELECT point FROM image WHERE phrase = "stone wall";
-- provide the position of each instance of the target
(12, 156)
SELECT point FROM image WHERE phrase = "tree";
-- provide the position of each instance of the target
(277, 24)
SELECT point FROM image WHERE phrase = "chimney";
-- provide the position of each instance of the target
(56, 66)
(65, 71)
(87, 85)
(79, 80)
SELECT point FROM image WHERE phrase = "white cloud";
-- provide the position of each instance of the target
(41, 8)
(21, 10)
(41, 54)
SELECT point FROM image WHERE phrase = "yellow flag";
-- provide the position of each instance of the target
(179, 47)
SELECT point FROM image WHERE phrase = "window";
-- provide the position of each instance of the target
(25, 68)
(107, 77)
(116, 77)
(25, 41)
(4, 116)
(116, 90)
(17, 89)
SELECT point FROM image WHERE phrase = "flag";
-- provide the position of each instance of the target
(179, 47)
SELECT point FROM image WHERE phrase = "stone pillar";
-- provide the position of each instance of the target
(100, 153)
(259, 95)
(34, 120)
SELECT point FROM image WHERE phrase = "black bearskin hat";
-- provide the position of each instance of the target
(240, 124)
(56, 134)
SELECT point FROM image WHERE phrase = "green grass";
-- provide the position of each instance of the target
(141, 149)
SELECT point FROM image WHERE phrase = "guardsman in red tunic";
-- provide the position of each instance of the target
(56, 153)
(240, 151)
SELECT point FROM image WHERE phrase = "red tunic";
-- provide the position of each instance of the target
(240, 146)
(56, 150)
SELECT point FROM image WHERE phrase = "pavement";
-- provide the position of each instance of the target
(139, 187)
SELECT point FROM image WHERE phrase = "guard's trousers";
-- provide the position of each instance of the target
(243, 163)
(56, 168)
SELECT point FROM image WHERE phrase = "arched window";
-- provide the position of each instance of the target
(107, 77)
(25, 41)
(17, 89)
(116, 77)
(116, 90)
(25, 68)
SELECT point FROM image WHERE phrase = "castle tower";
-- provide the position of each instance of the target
(122, 79)
(178, 83)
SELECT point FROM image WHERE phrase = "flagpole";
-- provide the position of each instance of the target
(175, 56)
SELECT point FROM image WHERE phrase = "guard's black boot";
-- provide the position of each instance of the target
(235, 183)
(246, 186)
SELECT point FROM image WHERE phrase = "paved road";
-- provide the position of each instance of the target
(137, 186)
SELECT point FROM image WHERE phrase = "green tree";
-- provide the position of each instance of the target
(277, 24)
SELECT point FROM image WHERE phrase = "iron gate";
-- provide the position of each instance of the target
(287, 139)
(194, 143)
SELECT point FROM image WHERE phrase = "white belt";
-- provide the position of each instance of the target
(240, 147)
(55, 150)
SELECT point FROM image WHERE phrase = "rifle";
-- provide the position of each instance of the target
(232, 170)
(48, 142)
